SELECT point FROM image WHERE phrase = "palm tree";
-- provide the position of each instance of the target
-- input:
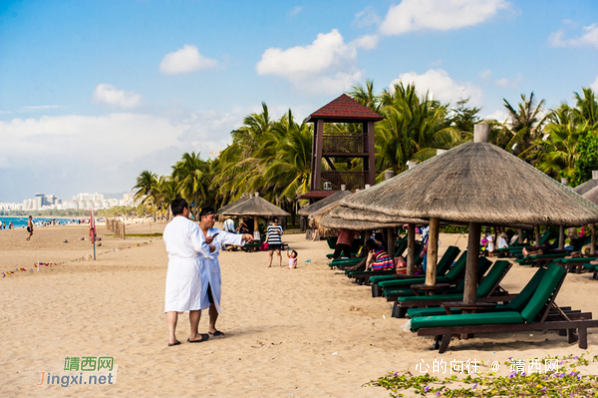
(167, 189)
(413, 129)
(365, 95)
(556, 152)
(146, 188)
(587, 108)
(524, 124)
(192, 176)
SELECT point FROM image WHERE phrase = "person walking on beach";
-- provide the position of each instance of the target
(273, 237)
(30, 227)
(186, 247)
(211, 279)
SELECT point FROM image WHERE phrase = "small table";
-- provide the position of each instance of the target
(467, 308)
(439, 288)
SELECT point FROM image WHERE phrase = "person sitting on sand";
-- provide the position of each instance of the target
(30, 227)
(292, 258)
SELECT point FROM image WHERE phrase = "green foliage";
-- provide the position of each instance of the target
(588, 159)
(566, 381)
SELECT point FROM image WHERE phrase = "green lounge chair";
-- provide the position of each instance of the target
(454, 274)
(361, 275)
(516, 304)
(577, 264)
(486, 288)
(394, 294)
(444, 264)
(531, 318)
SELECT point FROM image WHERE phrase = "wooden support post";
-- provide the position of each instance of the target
(593, 241)
(537, 231)
(471, 270)
(520, 233)
(432, 259)
(390, 241)
(256, 227)
(411, 249)
(561, 237)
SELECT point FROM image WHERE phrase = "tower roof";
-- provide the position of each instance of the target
(345, 109)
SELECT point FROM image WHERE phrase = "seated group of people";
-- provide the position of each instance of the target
(377, 258)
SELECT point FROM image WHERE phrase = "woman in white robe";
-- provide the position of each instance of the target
(211, 266)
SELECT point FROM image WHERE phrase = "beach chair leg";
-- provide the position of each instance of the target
(375, 290)
(437, 341)
(398, 312)
(444, 343)
(583, 338)
(572, 335)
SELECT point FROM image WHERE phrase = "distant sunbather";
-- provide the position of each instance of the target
(377, 259)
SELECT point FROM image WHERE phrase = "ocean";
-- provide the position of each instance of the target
(21, 222)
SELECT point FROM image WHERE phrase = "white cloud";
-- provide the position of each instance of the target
(367, 42)
(366, 17)
(328, 65)
(66, 151)
(486, 74)
(295, 10)
(594, 86)
(498, 115)
(108, 94)
(186, 60)
(413, 15)
(441, 86)
(588, 39)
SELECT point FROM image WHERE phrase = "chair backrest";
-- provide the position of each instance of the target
(458, 269)
(331, 240)
(483, 264)
(401, 248)
(496, 273)
(418, 251)
(447, 259)
(521, 300)
(551, 279)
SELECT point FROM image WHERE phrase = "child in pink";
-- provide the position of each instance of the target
(292, 259)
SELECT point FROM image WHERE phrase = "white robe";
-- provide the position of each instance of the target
(186, 248)
(211, 266)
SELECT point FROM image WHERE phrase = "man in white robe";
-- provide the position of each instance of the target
(186, 246)
(211, 266)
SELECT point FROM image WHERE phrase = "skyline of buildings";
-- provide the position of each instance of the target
(81, 201)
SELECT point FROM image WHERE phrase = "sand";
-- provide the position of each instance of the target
(308, 332)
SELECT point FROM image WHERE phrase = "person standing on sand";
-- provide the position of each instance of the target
(211, 279)
(273, 237)
(30, 227)
(186, 247)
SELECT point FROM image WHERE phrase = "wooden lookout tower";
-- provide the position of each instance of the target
(334, 145)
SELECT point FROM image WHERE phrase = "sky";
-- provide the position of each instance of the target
(94, 92)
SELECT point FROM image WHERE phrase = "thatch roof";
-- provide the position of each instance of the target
(228, 206)
(316, 216)
(308, 210)
(592, 194)
(476, 182)
(255, 206)
(586, 186)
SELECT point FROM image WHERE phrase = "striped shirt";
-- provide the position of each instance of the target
(273, 235)
(382, 261)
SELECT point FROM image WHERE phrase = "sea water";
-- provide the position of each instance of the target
(21, 222)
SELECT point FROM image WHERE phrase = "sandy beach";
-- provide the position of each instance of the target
(308, 332)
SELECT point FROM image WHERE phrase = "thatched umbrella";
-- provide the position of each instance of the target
(308, 210)
(228, 206)
(476, 183)
(592, 196)
(255, 207)
(588, 185)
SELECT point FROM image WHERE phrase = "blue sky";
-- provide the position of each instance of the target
(94, 92)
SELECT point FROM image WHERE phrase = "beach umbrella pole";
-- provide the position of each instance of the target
(432, 253)
(390, 238)
(410, 248)
(561, 237)
(593, 241)
(471, 270)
